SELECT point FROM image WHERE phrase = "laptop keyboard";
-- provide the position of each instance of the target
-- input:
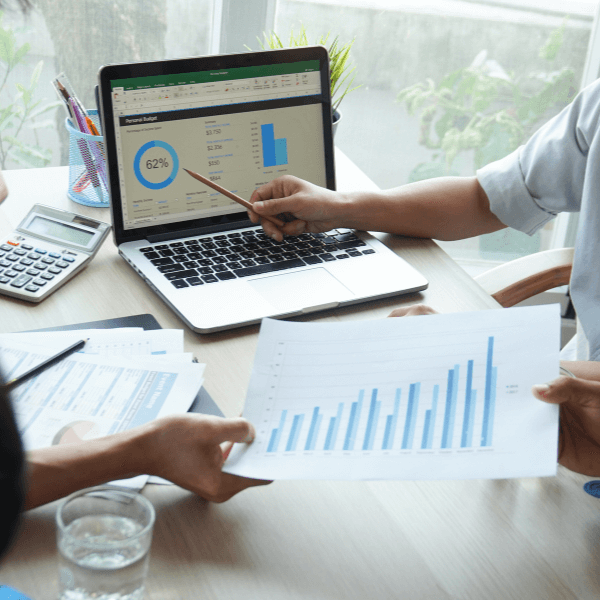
(222, 257)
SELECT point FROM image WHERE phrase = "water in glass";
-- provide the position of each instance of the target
(98, 563)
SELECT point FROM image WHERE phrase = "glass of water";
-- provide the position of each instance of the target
(104, 535)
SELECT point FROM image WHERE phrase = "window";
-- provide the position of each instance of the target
(77, 37)
(518, 61)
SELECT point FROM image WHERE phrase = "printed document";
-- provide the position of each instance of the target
(121, 379)
(429, 397)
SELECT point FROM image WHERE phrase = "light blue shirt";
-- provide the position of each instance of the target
(558, 170)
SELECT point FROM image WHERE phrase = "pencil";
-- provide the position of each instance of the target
(231, 195)
(49, 362)
(64, 95)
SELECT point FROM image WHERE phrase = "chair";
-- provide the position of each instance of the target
(522, 278)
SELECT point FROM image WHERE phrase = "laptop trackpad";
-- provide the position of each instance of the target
(303, 289)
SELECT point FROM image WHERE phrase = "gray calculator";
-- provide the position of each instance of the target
(47, 248)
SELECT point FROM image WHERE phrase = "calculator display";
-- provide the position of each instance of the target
(60, 231)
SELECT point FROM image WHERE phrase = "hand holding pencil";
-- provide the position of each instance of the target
(231, 195)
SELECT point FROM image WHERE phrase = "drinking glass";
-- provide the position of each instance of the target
(103, 536)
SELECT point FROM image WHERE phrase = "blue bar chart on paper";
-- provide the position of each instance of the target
(437, 397)
(396, 429)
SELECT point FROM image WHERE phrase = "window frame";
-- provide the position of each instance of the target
(236, 21)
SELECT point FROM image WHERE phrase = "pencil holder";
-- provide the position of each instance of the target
(88, 183)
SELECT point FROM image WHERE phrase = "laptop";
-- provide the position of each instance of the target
(241, 120)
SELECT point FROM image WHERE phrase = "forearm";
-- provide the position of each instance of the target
(447, 208)
(58, 471)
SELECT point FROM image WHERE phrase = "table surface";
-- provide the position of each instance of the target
(520, 538)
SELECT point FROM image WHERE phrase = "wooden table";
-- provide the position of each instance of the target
(524, 538)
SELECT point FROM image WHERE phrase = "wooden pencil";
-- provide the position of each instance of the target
(231, 195)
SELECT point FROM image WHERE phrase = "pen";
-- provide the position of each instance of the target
(231, 195)
(45, 364)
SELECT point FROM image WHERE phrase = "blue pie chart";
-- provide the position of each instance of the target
(137, 161)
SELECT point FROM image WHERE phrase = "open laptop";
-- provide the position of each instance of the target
(241, 120)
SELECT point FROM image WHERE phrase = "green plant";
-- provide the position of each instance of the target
(485, 109)
(342, 76)
(20, 110)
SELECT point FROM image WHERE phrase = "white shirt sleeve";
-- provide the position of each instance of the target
(546, 175)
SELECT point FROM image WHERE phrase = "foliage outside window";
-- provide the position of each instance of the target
(484, 109)
(19, 107)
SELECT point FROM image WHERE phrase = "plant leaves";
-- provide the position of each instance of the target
(45, 124)
(36, 75)
(429, 170)
(20, 53)
(31, 156)
(44, 109)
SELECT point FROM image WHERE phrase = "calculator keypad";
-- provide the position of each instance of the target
(33, 270)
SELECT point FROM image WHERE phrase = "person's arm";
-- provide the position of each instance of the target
(188, 450)
(447, 208)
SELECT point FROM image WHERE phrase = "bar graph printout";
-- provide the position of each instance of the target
(431, 397)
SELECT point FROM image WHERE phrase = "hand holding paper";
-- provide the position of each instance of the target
(437, 397)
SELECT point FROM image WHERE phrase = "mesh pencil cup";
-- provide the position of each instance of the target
(87, 165)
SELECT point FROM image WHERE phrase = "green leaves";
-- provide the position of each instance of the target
(554, 42)
(342, 76)
(484, 109)
(9, 53)
(20, 110)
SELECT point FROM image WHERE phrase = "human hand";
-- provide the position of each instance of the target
(189, 450)
(314, 209)
(579, 429)
(413, 311)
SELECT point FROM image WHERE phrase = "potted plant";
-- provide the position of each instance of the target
(342, 75)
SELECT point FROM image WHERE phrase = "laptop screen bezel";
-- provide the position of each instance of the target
(108, 73)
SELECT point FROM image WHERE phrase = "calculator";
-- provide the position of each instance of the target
(47, 249)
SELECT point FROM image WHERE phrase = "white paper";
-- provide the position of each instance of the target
(420, 408)
(87, 396)
(122, 379)
(127, 341)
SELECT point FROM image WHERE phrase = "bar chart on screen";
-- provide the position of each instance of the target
(274, 150)
(436, 397)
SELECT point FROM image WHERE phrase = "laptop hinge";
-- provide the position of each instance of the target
(184, 233)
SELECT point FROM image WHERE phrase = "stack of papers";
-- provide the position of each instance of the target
(120, 379)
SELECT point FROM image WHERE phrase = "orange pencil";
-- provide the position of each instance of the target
(231, 195)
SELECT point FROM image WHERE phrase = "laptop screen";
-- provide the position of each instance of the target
(240, 126)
